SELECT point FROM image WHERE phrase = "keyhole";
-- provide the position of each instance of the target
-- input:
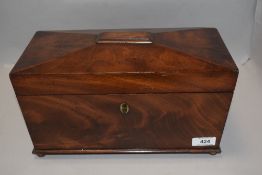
(124, 108)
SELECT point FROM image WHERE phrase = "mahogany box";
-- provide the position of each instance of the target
(125, 91)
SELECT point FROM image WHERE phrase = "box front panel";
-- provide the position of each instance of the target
(129, 121)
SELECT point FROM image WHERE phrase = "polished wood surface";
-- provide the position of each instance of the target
(200, 43)
(191, 60)
(154, 121)
(123, 83)
(125, 37)
(43, 152)
(176, 84)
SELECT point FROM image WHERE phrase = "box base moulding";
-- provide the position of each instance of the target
(43, 152)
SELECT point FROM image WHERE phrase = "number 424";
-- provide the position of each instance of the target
(205, 141)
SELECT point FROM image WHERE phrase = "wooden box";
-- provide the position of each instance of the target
(125, 91)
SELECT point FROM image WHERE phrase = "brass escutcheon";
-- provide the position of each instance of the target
(124, 108)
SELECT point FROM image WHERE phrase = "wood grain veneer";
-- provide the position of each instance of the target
(178, 84)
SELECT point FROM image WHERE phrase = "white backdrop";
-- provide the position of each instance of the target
(19, 19)
(256, 45)
(241, 141)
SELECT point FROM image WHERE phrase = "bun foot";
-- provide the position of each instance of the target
(40, 155)
(212, 153)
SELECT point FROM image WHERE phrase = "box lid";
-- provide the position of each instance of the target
(125, 61)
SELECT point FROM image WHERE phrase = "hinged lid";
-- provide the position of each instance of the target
(125, 61)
